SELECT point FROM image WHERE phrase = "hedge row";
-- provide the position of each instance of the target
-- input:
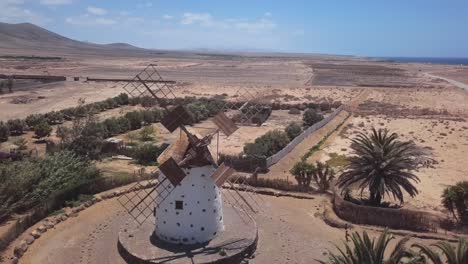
(18, 126)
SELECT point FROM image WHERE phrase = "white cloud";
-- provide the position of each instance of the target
(256, 26)
(168, 17)
(145, 5)
(87, 20)
(96, 11)
(55, 2)
(197, 18)
(241, 24)
(13, 11)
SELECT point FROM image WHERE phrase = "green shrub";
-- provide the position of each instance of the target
(303, 172)
(268, 144)
(4, 132)
(147, 133)
(293, 130)
(88, 143)
(29, 183)
(16, 126)
(294, 111)
(42, 130)
(311, 117)
(122, 99)
(146, 154)
(112, 126)
(135, 119)
(34, 120)
(123, 124)
(54, 118)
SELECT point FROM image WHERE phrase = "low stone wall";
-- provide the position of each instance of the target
(386, 217)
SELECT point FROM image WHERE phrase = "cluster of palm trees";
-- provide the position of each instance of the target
(364, 250)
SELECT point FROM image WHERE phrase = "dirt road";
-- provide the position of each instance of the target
(289, 232)
(456, 83)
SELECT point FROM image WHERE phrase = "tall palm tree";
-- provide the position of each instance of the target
(383, 165)
(367, 251)
(458, 255)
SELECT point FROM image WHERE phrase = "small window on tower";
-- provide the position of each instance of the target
(179, 205)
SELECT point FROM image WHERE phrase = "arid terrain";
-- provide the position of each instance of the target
(409, 99)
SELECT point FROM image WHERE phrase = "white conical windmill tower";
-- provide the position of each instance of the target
(187, 202)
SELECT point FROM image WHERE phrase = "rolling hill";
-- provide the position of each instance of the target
(29, 39)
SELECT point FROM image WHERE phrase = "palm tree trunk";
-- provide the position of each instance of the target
(375, 199)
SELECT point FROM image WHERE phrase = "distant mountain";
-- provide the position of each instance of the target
(29, 39)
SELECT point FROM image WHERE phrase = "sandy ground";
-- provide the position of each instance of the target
(448, 141)
(289, 232)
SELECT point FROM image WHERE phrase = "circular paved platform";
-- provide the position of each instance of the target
(138, 245)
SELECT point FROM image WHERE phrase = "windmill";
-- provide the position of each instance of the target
(186, 200)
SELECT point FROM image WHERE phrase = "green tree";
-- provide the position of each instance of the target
(17, 126)
(293, 130)
(364, 250)
(4, 132)
(303, 172)
(452, 255)
(455, 199)
(382, 165)
(42, 130)
(323, 176)
(311, 116)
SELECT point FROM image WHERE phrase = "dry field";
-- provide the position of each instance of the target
(400, 97)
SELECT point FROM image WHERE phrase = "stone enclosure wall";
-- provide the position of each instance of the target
(387, 217)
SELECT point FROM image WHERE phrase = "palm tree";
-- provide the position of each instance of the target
(452, 255)
(323, 176)
(382, 165)
(455, 199)
(370, 251)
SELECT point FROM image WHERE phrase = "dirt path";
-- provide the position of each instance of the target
(280, 170)
(290, 231)
(456, 83)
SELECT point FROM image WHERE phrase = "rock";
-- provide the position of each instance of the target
(116, 193)
(42, 229)
(14, 260)
(49, 224)
(88, 203)
(36, 234)
(63, 217)
(20, 249)
(29, 239)
(98, 199)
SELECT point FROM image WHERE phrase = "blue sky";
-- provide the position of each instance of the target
(415, 28)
